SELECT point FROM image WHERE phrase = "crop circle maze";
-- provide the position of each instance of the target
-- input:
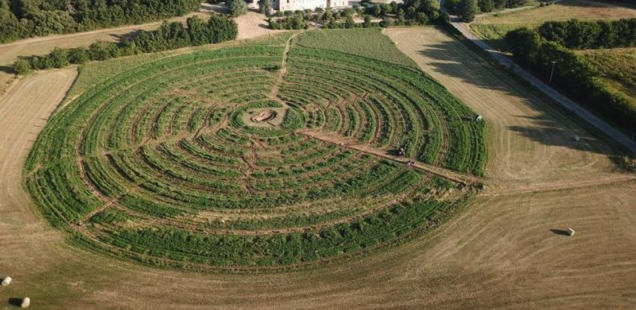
(254, 157)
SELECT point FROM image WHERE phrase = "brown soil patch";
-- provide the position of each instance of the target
(252, 25)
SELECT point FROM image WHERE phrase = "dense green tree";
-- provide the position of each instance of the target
(467, 9)
(168, 36)
(591, 34)
(28, 18)
(524, 43)
(367, 21)
(237, 7)
(422, 18)
(78, 56)
(486, 5)
(349, 22)
(265, 6)
(386, 9)
(222, 29)
(59, 58)
(377, 10)
(22, 67)
(387, 22)
(328, 15)
(358, 8)
(451, 6)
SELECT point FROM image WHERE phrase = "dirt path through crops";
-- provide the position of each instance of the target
(368, 149)
(499, 253)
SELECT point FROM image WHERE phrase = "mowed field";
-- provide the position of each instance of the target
(499, 253)
(493, 27)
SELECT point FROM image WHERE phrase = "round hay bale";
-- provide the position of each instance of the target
(26, 302)
(6, 281)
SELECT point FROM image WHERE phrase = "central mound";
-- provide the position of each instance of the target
(213, 160)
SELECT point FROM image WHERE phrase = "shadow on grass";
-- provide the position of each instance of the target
(599, 4)
(127, 36)
(7, 69)
(16, 302)
(560, 232)
(549, 124)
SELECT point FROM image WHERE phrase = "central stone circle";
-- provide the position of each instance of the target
(264, 117)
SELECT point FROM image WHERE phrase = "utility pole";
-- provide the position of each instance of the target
(552, 72)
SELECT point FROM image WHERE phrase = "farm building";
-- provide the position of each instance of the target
(293, 5)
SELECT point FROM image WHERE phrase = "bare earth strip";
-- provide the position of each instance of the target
(499, 253)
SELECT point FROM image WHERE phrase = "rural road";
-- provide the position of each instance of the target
(464, 29)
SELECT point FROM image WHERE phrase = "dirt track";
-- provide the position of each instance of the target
(498, 254)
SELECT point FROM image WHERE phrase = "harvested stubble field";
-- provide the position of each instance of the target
(498, 253)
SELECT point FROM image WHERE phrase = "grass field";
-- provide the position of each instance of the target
(493, 28)
(362, 42)
(617, 67)
(499, 252)
(208, 159)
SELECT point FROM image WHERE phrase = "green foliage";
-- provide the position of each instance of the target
(467, 9)
(169, 36)
(296, 22)
(486, 5)
(26, 18)
(265, 6)
(78, 56)
(617, 67)
(21, 67)
(364, 42)
(573, 75)
(576, 34)
(237, 7)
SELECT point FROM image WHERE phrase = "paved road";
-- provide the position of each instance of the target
(572, 106)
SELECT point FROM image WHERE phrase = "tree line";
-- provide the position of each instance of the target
(572, 74)
(468, 9)
(173, 35)
(21, 19)
(409, 13)
(575, 34)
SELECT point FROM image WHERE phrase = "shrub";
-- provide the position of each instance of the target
(78, 56)
(467, 9)
(21, 67)
(237, 7)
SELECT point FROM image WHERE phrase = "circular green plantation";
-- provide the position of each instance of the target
(248, 158)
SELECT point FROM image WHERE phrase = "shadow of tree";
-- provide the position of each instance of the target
(127, 36)
(597, 4)
(7, 69)
(561, 136)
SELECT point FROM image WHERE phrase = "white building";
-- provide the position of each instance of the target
(294, 5)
